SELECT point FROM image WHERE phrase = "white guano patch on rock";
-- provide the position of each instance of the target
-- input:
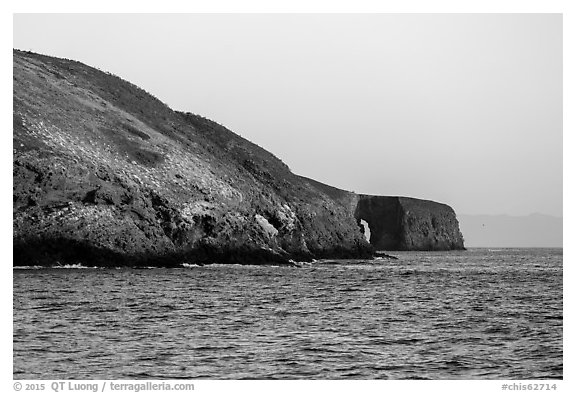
(194, 209)
(287, 217)
(266, 226)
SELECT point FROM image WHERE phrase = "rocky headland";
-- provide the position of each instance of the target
(105, 174)
(400, 223)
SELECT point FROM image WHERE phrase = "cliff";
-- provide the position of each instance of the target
(106, 174)
(400, 223)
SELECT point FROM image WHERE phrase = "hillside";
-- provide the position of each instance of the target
(106, 174)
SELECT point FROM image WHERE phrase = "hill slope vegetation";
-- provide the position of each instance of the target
(104, 173)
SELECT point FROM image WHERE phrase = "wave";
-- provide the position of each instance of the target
(190, 265)
(28, 267)
(74, 266)
(67, 266)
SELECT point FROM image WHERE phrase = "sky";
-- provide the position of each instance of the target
(464, 109)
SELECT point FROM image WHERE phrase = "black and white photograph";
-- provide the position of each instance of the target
(286, 196)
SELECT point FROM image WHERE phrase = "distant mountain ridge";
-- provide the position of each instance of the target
(534, 230)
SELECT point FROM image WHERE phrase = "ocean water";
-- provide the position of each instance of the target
(476, 314)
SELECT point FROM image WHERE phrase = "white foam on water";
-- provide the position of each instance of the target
(73, 266)
(28, 267)
(190, 265)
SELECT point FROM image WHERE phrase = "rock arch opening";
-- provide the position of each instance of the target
(365, 229)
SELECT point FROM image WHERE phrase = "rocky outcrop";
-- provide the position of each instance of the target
(105, 174)
(399, 223)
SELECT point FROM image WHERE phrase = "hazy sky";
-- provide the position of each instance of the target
(465, 109)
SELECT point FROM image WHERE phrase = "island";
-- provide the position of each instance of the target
(105, 174)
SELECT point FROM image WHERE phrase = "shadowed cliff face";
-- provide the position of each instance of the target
(384, 216)
(398, 223)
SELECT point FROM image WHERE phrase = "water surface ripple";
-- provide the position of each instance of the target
(478, 314)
